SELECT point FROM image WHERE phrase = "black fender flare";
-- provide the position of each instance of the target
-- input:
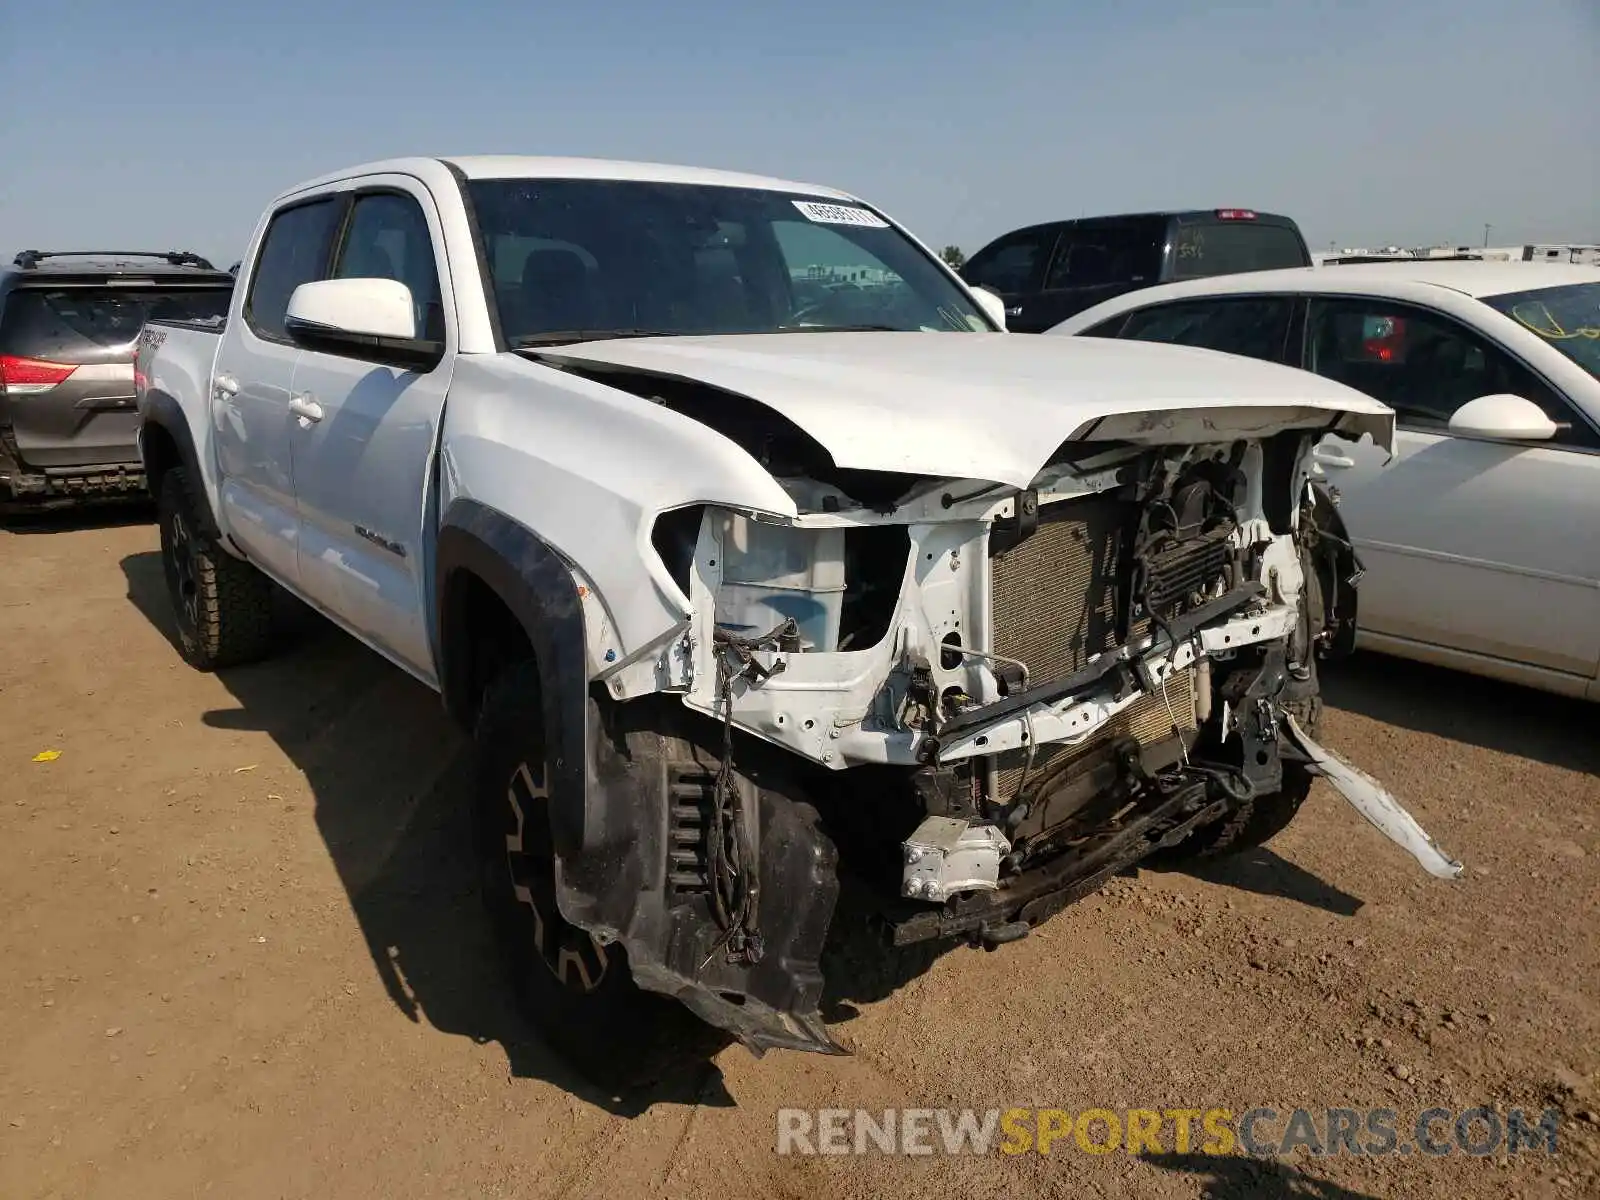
(162, 410)
(609, 768)
(533, 581)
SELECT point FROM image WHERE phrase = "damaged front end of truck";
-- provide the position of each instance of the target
(977, 700)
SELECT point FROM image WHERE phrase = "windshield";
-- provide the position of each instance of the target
(571, 259)
(1566, 317)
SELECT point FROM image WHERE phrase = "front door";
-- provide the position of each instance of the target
(1094, 261)
(361, 463)
(1491, 547)
(250, 396)
(1013, 268)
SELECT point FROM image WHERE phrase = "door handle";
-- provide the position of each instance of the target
(305, 408)
(1332, 458)
(224, 387)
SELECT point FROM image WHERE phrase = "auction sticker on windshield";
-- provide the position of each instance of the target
(840, 214)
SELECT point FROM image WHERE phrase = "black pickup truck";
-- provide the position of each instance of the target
(1046, 273)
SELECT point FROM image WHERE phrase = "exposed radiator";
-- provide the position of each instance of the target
(1055, 603)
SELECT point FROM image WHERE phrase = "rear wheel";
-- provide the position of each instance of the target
(578, 993)
(222, 604)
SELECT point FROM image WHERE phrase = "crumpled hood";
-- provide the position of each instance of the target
(991, 406)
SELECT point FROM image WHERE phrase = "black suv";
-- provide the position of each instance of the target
(1046, 273)
(68, 323)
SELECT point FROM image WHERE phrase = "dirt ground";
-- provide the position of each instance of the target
(243, 955)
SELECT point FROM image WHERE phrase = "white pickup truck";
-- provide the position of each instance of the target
(756, 554)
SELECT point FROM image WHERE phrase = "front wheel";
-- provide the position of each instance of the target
(222, 604)
(1259, 819)
(578, 992)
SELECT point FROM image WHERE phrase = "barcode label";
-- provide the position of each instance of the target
(840, 214)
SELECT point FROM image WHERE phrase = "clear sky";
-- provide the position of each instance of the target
(172, 122)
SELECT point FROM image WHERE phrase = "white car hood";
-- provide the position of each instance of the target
(992, 406)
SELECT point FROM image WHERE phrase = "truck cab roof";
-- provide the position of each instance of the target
(528, 166)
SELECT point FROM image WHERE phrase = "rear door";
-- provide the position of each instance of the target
(361, 462)
(66, 359)
(1094, 261)
(1013, 267)
(250, 397)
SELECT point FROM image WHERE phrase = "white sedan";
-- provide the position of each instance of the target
(1481, 537)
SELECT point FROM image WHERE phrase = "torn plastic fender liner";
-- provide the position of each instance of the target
(1376, 803)
(650, 767)
(612, 771)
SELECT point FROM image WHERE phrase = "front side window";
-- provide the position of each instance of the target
(1013, 264)
(294, 251)
(1253, 326)
(572, 259)
(1567, 318)
(1423, 364)
(388, 238)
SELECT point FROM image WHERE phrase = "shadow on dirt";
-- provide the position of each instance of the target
(105, 514)
(1265, 873)
(387, 769)
(1235, 1177)
(859, 967)
(1466, 708)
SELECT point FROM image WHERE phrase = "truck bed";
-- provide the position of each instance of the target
(172, 367)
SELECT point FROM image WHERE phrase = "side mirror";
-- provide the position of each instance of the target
(1503, 416)
(993, 307)
(363, 318)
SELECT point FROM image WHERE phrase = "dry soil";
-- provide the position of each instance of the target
(243, 954)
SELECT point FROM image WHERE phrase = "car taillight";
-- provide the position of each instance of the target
(27, 375)
(1235, 214)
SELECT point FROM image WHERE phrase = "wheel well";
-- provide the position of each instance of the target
(481, 638)
(160, 453)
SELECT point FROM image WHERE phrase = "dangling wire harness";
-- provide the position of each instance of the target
(735, 883)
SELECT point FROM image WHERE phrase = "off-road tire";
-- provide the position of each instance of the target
(592, 1014)
(222, 605)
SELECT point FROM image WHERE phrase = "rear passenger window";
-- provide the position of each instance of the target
(294, 251)
(1252, 326)
(1015, 263)
(388, 239)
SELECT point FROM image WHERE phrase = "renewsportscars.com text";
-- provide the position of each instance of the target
(1260, 1132)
